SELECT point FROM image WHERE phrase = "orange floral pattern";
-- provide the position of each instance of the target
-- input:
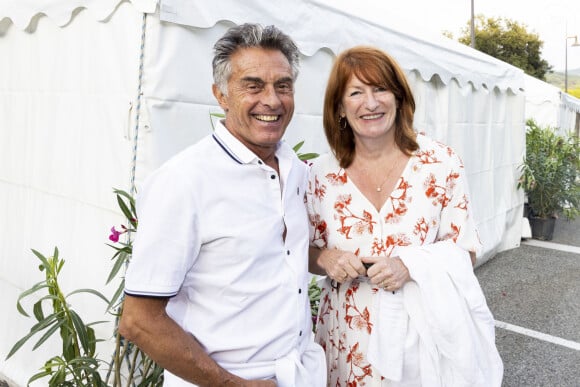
(429, 203)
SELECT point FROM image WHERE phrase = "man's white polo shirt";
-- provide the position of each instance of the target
(211, 222)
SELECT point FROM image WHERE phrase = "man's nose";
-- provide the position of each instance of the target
(270, 97)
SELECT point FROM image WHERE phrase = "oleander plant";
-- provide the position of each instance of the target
(78, 364)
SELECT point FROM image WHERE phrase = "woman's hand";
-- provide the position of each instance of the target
(390, 273)
(340, 265)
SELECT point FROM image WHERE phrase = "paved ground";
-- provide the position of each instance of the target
(533, 292)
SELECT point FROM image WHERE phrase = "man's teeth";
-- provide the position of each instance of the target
(268, 118)
(371, 117)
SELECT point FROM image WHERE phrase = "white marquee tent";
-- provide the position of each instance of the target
(549, 106)
(96, 94)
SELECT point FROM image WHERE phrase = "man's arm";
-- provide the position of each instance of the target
(145, 323)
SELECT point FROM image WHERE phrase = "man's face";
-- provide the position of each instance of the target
(260, 98)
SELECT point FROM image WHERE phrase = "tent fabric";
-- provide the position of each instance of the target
(549, 106)
(484, 124)
(68, 100)
(571, 103)
(23, 12)
(303, 21)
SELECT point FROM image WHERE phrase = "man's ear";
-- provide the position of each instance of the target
(220, 97)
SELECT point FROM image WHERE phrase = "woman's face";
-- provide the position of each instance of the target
(370, 110)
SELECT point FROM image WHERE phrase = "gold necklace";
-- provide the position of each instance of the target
(380, 187)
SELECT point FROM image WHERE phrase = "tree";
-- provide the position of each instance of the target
(509, 41)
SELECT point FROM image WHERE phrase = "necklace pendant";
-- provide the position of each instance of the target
(378, 189)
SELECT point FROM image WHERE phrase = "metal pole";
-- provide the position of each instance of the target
(574, 44)
(566, 68)
(472, 26)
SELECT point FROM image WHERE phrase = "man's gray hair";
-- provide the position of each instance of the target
(250, 35)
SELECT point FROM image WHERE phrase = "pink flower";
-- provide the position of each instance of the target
(115, 234)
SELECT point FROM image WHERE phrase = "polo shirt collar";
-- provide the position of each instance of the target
(234, 147)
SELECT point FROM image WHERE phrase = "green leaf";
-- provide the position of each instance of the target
(69, 347)
(119, 263)
(81, 330)
(308, 156)
(19, 344)
(117, 296)
(42, 258)
(48, 333)
(124, 194)
(124, 208)
(38, 312)
(39, 326)
(38, 376)
(297, 147)
(58, 378)
(91, 291)
(92, 340)
(33, 289)
(36, 287)
(34, 330)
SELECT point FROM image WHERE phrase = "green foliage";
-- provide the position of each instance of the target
(509, 41)
(77, 364)
(304, 156)
(314, 296)
(550, 172)
(140, 370)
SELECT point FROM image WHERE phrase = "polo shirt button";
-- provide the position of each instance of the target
(300, 334)
(287, 252)
(272, 177)
(299, 291)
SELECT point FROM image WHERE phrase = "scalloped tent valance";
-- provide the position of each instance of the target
(313, 25)
(23, 12)
(570, 102)
(316, 26)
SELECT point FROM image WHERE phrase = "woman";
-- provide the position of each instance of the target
(392, 231)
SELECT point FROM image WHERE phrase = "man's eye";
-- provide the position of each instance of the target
(253, 87)
(285, 87)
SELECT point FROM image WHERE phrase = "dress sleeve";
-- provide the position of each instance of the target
(456, 221)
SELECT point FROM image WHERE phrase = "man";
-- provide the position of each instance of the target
(217, 288)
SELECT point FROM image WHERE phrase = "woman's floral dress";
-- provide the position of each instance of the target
(429, 203)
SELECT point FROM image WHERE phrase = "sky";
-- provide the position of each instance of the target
(552, 20)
